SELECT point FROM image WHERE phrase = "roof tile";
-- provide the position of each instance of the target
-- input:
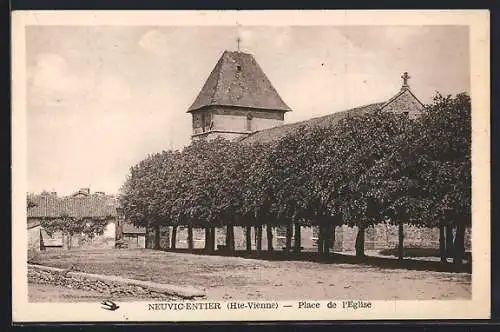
(92, 206)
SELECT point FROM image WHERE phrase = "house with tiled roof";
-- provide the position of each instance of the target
(81, 205)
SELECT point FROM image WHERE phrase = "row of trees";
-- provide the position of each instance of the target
(358, 171)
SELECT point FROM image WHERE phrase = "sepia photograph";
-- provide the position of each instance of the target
(233, 163)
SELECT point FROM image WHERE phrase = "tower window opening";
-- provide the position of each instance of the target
(238, 68)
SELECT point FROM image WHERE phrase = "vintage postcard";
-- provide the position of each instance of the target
(250, 165)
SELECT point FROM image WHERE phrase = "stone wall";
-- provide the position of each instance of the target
(33, 242)
(378, 237)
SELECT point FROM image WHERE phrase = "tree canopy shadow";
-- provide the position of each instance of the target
(337, 258)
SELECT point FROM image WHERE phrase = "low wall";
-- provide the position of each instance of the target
(377, 237)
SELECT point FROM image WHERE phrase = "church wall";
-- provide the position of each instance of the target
(240, 123)
(261, 124)
(230, 122)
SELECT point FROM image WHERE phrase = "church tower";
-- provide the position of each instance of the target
(236, 100)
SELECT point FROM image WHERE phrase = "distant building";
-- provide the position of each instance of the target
(82, 205)
(132, 237)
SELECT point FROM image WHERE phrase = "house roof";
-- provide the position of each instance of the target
(91, 206)
(275, 133)
(238, 80)
(128, 228)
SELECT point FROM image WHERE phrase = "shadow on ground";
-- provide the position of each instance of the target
(337, 258)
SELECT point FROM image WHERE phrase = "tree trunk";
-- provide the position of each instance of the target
(442, 244)
(212, 239)
(258, 234)
(401, 236)
(459, 245)
(248, 238)
(297, 238)
(230, 237)
(289, 231)
(332, 232)
(207, 238)
(320, 241)
(190, 237)
(269, 233)
(360, 242)
(157, 237)
(449, 241)
(326, 239)
(173, 245)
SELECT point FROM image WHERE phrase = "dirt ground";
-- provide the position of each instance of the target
(52, 293)
(225, 278)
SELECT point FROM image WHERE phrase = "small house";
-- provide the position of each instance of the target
(82, 206)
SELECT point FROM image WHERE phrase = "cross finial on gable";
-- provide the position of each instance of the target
(405, 78)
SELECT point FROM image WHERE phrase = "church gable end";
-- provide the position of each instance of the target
(404, 102)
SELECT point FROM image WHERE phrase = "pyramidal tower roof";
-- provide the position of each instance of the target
(238, 80)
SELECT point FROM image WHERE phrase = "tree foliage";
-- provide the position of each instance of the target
(357, 171)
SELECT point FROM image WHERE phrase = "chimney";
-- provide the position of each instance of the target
(85, 191)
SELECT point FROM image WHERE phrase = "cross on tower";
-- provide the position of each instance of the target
(238, 40)
(405, 78)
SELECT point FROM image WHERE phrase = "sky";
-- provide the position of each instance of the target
(101, 98)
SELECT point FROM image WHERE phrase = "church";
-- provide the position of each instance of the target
(238, 102)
